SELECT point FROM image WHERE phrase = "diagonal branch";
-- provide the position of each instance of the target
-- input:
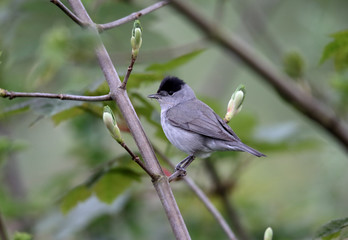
(160, 183)
(309, 106)
(133, 16)
(11, 95)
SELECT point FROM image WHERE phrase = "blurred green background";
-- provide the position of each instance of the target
(48, 147)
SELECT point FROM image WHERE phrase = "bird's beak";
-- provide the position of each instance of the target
(155, 96)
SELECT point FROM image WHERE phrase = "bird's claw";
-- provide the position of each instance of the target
(179, 173)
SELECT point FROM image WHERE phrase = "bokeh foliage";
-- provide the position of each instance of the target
(64, 161)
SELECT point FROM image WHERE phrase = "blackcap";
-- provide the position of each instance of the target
(192, 126)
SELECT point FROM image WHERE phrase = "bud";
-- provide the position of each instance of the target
(235, 104)
(136, 39)
(268, 234)
(111, 124)
(2, 92)
(294, 65)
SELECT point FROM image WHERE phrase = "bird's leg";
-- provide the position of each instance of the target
(180, 168)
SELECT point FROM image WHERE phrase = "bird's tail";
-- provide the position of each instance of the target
(245, 148)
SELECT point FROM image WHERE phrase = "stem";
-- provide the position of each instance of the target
(136, 159)
(133, 16)
(130, 68)
(161, 183)
(11, 95)
(311, 107)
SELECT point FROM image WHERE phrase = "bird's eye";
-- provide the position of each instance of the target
(170, 92)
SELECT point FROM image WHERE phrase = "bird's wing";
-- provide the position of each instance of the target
(197, 117)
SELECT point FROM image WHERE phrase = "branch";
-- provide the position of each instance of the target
(133, 16)
(68, 13)
(311, 107)
(160, 183)
(11, 95)
(205, 200)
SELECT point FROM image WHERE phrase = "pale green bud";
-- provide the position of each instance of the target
(2, 92)
(268, 234)
(111, 124)
(235, 104)
(136, 39)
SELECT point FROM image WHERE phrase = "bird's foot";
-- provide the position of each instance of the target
(178, 174)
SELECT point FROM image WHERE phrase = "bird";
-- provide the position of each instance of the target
(192, 126)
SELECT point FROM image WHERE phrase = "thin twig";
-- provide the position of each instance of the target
(133, 16)
(68, 13)
(211, 208)
(130, 68)
(205, 200)
(311, 107)
(136, 159)
(11, 95)
(222, 193)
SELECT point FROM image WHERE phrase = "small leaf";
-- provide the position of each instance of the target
(113, 183)
(22, 236)
(102, 89)
(337, 50)
(9, 146)
(174, 63)
(139, 79)
(66, 114)
(75, 196)
(333, 230)
(15, 109)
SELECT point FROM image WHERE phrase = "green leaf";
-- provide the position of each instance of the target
(336, 229)
(114, 183)
(22, 236)
(101, 89)
(9, 146)
(135, 81)
(66, 114)
(174, 63)
(244, 124)
(139, 79)
(337, 50)
(73, 197)
(340, 83)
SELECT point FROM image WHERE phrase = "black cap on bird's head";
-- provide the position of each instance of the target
(168, 86)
